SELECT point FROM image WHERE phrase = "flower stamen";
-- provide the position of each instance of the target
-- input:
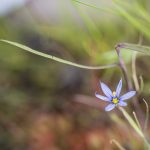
(115, 100)
(114, 93)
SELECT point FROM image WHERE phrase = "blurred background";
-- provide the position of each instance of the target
(46, 105)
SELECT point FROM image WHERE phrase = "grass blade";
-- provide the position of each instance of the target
(95, 7)
(147, 115)
(144, 28)
(135, 47)
(134, 126)
(117, 144)
(56, 58)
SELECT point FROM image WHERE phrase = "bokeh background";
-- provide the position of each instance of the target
(46, 105)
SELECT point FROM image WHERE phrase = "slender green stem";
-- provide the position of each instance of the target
(134, 126)
(58, 59)
(117, 144)
(123, 67)
(147, 115)
(141, 83)
(95, 7)
(135, 47)
(134, 73)
(137, 121)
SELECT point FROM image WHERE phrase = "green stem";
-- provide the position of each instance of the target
(58, 59)
(95, 7)
(134, 126)
(117, 144)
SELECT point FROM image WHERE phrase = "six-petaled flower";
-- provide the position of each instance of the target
(114, 98)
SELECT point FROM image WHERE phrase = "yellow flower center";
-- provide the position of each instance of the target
(115, 100)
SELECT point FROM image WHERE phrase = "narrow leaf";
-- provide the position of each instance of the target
(135, 47)
(56, 58)
(134, 126)
(94, 6)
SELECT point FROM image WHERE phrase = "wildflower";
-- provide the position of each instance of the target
(114, 97)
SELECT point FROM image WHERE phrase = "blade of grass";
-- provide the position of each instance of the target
(134, 21)
(117, 144)
(136, 9)
(134, 126)
(147, 115)
(95, 7)
(90, 24)
(119, 10)
(135, 47)
(136, 119)
(131, 121)
(141, 83)
(134, 72)
(56, 58)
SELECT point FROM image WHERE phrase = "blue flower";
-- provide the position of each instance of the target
(114, 97)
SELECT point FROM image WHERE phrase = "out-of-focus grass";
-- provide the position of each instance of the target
(36, 94)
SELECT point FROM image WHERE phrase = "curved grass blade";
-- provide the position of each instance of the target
(56, 58)
(135, 47)
(141, 26)
(134, 126)
(137, 121)
(147, 115)
(95, 7)
(117, 144)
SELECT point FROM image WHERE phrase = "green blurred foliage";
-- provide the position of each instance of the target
(36, 94)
